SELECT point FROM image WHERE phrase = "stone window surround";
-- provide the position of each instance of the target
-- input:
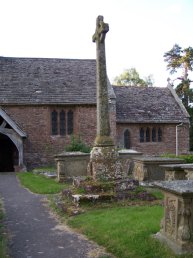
(62, 114)
(155, 134)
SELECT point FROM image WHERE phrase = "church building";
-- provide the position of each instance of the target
(43, 101)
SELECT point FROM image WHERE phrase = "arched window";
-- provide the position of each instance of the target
(159, 135)
(70, 122)
(62, 123)
(54, 119)
(147, 135)
(153, 135)
(127, 143)
(141, 135)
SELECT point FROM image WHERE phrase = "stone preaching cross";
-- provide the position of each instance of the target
(103, 123)
(104, 162)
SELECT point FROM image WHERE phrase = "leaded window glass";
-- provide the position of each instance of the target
(153, 135)
(62, 123)
(70, 122)
(127, 139)
(54, 119)
(141, 135)
(147, 135)
(159, 135)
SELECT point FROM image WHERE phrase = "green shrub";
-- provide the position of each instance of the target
(76, 144)
(186, 158)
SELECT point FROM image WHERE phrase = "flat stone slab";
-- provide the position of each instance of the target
(129, 151)
(158, 159)
(78, 197)
(178, 166)
(179, 187)
(72, 153)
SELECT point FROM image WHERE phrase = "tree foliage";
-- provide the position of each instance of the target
(190, 111)
(181, 59)
(130, 77)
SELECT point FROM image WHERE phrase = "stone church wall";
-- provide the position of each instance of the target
(166, 145)
(40, 146)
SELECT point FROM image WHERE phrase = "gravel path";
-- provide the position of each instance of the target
(33, 232)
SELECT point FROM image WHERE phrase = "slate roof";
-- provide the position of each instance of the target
(148, 105)
(47, 81)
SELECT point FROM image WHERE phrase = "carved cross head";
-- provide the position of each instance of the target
(101, 30)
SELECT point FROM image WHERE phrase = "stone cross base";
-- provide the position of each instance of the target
(104, 164)
(177, 224)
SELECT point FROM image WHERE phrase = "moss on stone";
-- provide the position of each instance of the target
(104, 141)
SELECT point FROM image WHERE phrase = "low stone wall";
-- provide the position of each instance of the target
(149, 169)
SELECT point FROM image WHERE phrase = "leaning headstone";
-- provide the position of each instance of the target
(177, 224)
(104, 162)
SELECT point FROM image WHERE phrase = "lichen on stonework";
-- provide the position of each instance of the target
(102, 153)
(103, 141)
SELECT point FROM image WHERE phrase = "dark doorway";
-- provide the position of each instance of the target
(8, 154)
(127, 141)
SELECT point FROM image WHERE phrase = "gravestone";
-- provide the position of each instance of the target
(104, 163)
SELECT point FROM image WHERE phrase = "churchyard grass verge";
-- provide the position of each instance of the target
(3, 240)
(125, 229)
(125, 232)
(40, 184)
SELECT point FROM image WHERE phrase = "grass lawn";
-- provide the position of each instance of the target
(3, 240)
(39, 183)
(125, 232)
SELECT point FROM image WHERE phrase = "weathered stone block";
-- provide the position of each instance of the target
(177, 224)
(178, 171)
(149, 169)
(70, 164)
(105, 163)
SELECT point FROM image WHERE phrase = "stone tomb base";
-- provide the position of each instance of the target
(105, 164)
(71, 164)
(177, 225)
(148, 168)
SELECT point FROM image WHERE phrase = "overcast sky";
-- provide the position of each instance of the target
(141, 31)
